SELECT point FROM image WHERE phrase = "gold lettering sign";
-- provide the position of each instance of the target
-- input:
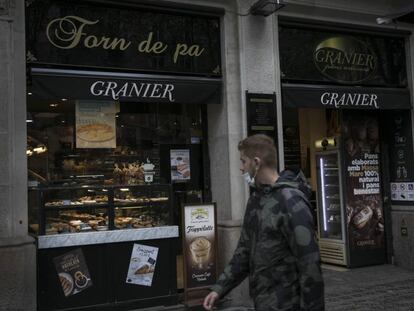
(345, 59)
(71, 31)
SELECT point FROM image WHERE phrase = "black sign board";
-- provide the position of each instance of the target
(401, 156)
(102, 35)
(261, 114)
(51, 84)
(321, 56)
(342, 97)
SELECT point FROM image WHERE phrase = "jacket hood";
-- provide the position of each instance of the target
(294, 178)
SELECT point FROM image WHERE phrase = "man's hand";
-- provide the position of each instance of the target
(210, 300)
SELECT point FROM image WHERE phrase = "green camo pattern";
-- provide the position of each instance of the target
(277, 249)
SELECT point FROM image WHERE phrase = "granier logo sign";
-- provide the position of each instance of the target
(345, 59)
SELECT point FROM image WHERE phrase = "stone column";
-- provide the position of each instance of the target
(17, 249)
(248, 63)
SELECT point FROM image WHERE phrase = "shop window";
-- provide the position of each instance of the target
(76, 143)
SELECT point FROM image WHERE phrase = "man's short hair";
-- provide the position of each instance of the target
(261, 146)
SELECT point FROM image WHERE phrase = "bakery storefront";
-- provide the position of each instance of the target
(117, 101)
(347, 124)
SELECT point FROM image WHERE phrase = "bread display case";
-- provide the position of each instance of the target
(142, 207)
(78, 209)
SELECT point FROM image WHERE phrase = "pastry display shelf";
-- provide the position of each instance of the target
(139, 204)
(75, 206)
(52, 200)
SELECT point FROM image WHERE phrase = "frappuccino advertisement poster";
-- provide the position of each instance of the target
(199, 232)
(362, 159)
(73, 272)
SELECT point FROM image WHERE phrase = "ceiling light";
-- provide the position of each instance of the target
(40, 149)
(53, 105)
(29, 118)
(30, 93)
(64, 99)
(266, 7)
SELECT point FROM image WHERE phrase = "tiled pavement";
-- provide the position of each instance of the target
(376, 288)
(384, 287)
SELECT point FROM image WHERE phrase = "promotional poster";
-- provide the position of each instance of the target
(142, 265)
(95, 124)
(180, 165)
(364, 206)
(200, 239)
(73, 272)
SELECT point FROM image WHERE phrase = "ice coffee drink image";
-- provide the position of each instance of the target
(200, 251)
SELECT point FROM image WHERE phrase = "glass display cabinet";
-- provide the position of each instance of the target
(74, 209)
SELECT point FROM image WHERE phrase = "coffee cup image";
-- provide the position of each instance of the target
(81, 280)
(200, 249)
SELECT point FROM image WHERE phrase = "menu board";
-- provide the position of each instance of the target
(401, 157)
(73, 272)
(95, 124)
(142, 265)
(199, 239)
(261, 114)
(364, 206)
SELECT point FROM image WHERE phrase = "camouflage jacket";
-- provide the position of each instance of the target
(277, 249)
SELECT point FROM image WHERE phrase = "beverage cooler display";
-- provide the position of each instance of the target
(350, 208)
(331, 225)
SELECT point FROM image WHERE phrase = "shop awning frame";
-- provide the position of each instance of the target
(50, 83)
(344, 97)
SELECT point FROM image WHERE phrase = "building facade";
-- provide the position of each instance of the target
(250, 62)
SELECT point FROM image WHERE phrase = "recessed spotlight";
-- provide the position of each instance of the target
(64, 99)
(29, 121)
(30, 93)
(53, 105)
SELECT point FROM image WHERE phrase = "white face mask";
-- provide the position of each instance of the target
(249, 179)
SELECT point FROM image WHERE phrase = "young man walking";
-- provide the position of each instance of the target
(277, 247)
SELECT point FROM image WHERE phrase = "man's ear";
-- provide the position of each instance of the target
(256, 160)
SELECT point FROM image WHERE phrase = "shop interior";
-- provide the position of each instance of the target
(305, 129)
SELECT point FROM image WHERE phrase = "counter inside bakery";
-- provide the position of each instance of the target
(102, 237)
